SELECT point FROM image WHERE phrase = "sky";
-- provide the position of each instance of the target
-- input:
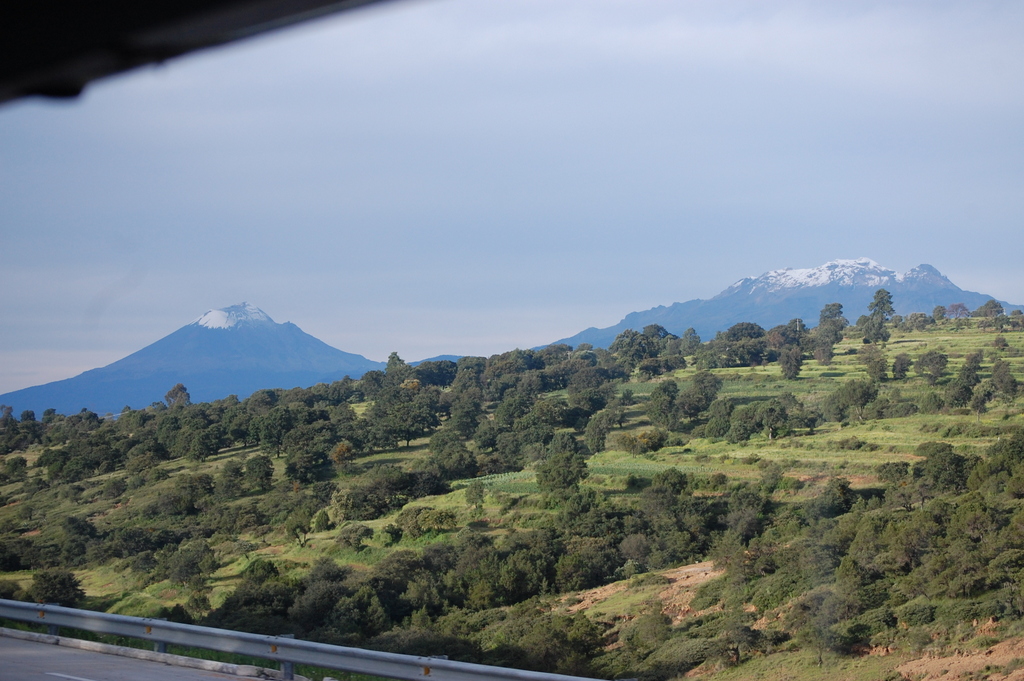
(469, 176)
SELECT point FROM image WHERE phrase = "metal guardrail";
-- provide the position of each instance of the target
(281, 649)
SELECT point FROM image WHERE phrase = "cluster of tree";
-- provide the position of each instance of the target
(482, 415)
(458, 592)
(654, 351)
(476, 597)
(940, 544)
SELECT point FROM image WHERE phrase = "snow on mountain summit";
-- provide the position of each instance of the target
(228, 317)
(859, 272)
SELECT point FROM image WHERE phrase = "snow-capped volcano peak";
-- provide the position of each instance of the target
(859, 272)
(228, 317)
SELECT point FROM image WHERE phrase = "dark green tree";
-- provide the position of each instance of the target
(901, 364)
(931, 365)
(790, 361)
(990, 309)
(980, 397)
(944, 469)
(699, 395)
(259, 473)
(881, 305)
(874, 361)
(178, 396)
(562, 472)
(56, 585)
(1003, 380)
(661, 408)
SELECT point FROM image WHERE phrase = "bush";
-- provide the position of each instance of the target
(915, 613)
(708, 594)
(352, 536)
(9, 589)
(680, 655)
(56, 585)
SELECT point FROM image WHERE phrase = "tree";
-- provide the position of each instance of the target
(939, 313)
(178, 396)
(901, 366)
(772, 416)
(880, 310)
(703, 389)
(475, 494)
(299, 524)
(229, 481)
(944, 469)
(273, 426)
(831, 323)
(961, 388)
(562, 472)
(832, 312)
(632, 347)
(353, 535)
(814, 615)
(450, 455)
(957, 311)
(742, 344)
(931, 366)
(661, 408)
(191, 560)
(198, 444)
(982, 395)
(874, 361)
(56, 585)
(791, 360)
(874, 329)
(881, 305)
(1003, 380)
(917, 321)
(850, 397)
(598, 428)
(990, 309)
(689, 342)
(259, 473)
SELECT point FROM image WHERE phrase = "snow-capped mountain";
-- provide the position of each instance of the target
(859, 272)
(231, 351)
(242, 314)
(777, 296)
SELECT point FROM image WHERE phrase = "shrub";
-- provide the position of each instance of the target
(56, 585)
(352, 536)
(915, 613)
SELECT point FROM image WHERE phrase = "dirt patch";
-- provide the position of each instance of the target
(589, 599)
(965, 663)
(684, 582)
(676, 597)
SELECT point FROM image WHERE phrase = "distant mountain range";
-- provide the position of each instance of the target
(233, 351)
(240, 349)
(781, 295)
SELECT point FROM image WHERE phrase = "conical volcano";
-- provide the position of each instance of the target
(231, 351)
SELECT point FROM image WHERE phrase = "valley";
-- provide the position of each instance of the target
(664, 507)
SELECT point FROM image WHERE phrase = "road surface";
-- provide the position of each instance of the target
(29, 661)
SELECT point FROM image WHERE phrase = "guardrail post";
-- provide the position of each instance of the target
(160, 646)
(51, 629)
(287, 668)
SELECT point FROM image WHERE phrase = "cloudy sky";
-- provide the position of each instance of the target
(468, 176)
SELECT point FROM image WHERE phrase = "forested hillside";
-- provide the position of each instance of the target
(850, 489)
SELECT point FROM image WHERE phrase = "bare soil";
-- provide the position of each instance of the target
(968, 663)
(676, 597)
